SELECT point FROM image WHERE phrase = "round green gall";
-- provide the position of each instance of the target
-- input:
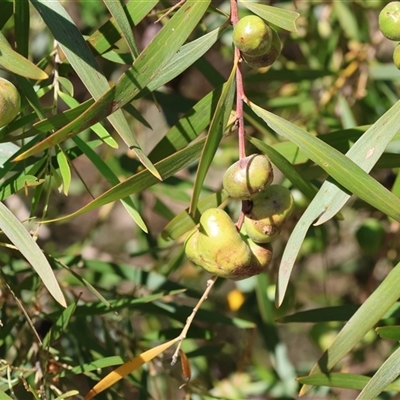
(10, 102)
(389, 20)
(248, 176)
(396, 56)
(267, 212)
(252, 36)
(267, 59)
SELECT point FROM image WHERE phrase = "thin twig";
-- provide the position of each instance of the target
(182, 336)
(170, 10)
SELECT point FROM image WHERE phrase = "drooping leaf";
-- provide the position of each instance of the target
(20, 237)
(17, 64)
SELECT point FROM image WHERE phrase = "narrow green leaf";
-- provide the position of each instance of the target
(338, 166)
(20, 237)
(60, 326)
(108, 34)
(143, 179)
(331, 198)
(389, 332)
(149, 63)
(67, 395)
(323, 314)
(118, 13)
(21, 26)
(17, 64)
(65, 171)
(341, 380)
(365, 153)
(93, 365)
(285, 19)
(84, 63)
(215, 133)
(188, 127)
(3, 396)
(107, 172)
(13, 185)
(98, 129)
(369, 313)
(386, 374)
(186, 56)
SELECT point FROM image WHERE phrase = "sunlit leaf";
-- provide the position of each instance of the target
(20, 237)
(16, 63)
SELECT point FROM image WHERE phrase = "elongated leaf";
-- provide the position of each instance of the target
(118, 13)
(341, 380)
(188, 128)
(13, 185)
(20, 237)
(82, 60)
(21, 25)
(371, 311)
(389, 332)
(215, 133)
(187, 55)
(127, 368)
(59, 326)
(65, 171)
(106, 171)
(386, 374)
(330, 198)
(340, 167)
(285, 19)
(365, 153)
(145, 68)
(17, 64)
(98, 129)
(3, 396)
(143, 179)
(107, 35)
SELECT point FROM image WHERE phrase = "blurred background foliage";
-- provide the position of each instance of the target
(133, 290)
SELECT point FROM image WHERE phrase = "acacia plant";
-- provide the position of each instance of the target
(194, 181)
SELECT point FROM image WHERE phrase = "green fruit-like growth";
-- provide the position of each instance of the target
(396, 56)
(252, 36)
(389, 20)
(370, 236)
(258, 42)
(217, 246)
(248, 176)
(267, 212)
(10, 102)
(261, 255)
(221, 250)
(268, 58)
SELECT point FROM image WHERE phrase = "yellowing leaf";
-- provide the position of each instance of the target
(127, 368)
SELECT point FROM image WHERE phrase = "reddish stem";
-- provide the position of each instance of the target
(239, 88)
(240, 96)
